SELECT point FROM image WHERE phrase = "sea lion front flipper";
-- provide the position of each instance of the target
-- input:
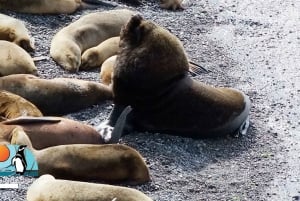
(27, 120)
(96, 3)
(112, 129)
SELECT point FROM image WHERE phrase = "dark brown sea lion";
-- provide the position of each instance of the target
(12, 106)
(56, 96)
(14, 30)
(88, 31)
(50, 7)
(48, 188)
(109, 163)
(15, 60)
(151, 75)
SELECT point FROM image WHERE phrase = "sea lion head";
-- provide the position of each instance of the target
(67, 54)
(89, 58)
(149, 54)
(26, 44)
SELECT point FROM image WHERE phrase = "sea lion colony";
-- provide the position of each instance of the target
(136, 32)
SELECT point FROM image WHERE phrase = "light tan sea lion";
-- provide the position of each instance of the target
(88, 31)
(109, 163)
(95, 56)
(50, 7)
(48, 188)
(14, 30)
(151, 75)
(15, 60)
(12, 106)
(56, 96)
(106, 72)
(51, 131)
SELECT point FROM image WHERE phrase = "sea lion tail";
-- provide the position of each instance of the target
(196, 69)
(119, 126)
(96, 3)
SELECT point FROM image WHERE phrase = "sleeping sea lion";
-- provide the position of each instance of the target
(88, 31)
(48, 188)
(151, 75)
(51, 131)
(14, 30)
(50, 7)
(109, 163)
(12, 106)
(95, 56)
(15, 60)
(171, 4)
(56, 96)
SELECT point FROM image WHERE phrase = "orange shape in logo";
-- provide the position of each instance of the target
(4, 153)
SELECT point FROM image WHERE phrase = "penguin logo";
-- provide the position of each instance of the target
(19, 160)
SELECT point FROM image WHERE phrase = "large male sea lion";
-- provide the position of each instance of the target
(88, 31)
(151, 75)
(56, 96)
(48, 188)
(15, 60)
(14, 30)
(95, 56)
(12, 106)
(109, 163)
(49, 7)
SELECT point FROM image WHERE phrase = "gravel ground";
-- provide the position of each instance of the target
(250, 45)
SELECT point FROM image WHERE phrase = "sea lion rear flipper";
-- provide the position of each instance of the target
(96, 3)
(25, 120)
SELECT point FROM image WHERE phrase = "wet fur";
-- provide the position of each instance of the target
(13, 106)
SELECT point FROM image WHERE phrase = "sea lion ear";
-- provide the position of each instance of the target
(134, 28)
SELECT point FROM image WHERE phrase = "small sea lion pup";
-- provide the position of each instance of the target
(12, 106)
(106, 163)
(88, 31)
(151, 75)
(50, 7)
(107, 68)
(56, 96)
(14, 30)
(48, 188)
(15, 60)
(95, 56)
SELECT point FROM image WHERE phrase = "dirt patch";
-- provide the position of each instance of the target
(252, 46)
